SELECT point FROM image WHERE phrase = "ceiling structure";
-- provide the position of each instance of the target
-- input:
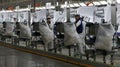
(5, 4)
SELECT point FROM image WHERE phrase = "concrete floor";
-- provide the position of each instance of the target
(98, 59)
(14, 58)
(28, 60)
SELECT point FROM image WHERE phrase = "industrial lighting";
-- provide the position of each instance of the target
(118, 1)
(112, 1)
(96, 3)
(71, 5)
(2, 10)
(76, 4)
(63, 6)
(52, 7)
(90, 4)
(103, 2)
(66, 3)
(82, 4)
(48, 4)
(57, 4)
(6, 11)
(25, 9)
(41, 8)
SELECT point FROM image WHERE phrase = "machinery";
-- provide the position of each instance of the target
(30, 26)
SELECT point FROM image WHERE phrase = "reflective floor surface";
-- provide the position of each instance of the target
(14, 58)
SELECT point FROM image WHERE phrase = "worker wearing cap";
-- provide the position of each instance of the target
(49, 22)
(80, 24)
(50, 45)
(80, 28)
(14, 19)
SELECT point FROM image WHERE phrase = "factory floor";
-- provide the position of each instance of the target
(14, 58)
(64, 52)
(98, 59)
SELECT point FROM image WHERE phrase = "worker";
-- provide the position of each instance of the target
(49, 22)
(78, 24)
(50, 45)
(80, 28)
(15, 20)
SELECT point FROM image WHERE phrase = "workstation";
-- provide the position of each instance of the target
(75, 33)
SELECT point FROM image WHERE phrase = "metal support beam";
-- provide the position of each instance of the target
(34, 4)
(68, 11)
(113, 14)
(68, 14)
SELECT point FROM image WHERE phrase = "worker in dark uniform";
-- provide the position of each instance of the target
(80, 28)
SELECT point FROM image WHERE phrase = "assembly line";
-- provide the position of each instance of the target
(83, 31)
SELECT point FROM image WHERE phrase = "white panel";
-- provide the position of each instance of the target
(11, 16)
(87, 11)
(5, 16)
(99, 14)
(23, 16)
(107, 13)
(118, 14)
(38, 15)
(60, 16)
(72, 13)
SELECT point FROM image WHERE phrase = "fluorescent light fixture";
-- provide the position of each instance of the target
(8, 11)
(118, 1)
(40, 8)
(48, 4)
(29, 6)
(43, 7)
(109, 1)
(71, 5)
(112, 1)
(91, 4)
(96, 3)
(103, 2)
(76, 4)
(57, 4)
(24, 9)
(52, 7)
(66, 3)
(63, 6)
(82, 4)
(2, 11)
